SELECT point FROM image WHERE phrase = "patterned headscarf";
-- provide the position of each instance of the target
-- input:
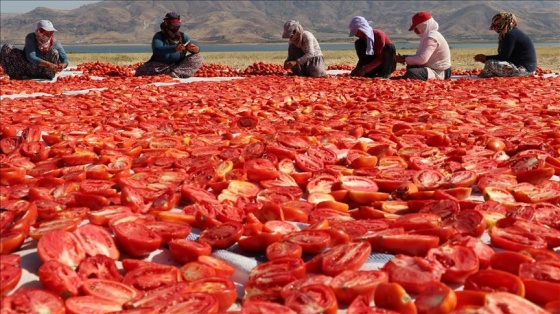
(502, 23)
(359, 23)
(295, 30)
(173, 38)
(44, 42)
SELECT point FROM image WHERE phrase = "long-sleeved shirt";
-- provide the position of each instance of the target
(34, 55)
(433, 53)
(517, 48)
(372, 61)
(165, 52)
(310, 47)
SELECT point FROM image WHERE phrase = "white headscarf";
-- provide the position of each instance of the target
(293, 27)
(361, 24)
(425, 28)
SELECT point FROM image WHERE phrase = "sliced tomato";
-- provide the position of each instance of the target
(222, 236)
(392, 296)
(459, 262)
(31, 300)
(349, 256)
(490, 280)
(60, 279)
(437, 298)
(98, 267)
(97, 241)
(316, 298)
(10, 272)
(62, 246)
(414, 274)
(221, 288)
(184, 251)
(152, 277)
(89, 303)
(350, 284)
(136, 239)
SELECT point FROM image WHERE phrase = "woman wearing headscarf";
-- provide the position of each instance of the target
(376, 53)
(516, 53)
(173, 52)
(433, 58)
(304, 53)
(42, 56)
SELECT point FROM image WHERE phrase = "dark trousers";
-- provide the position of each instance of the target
(421, 73)
(389, 64)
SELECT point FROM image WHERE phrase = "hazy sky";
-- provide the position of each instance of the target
(26, 6)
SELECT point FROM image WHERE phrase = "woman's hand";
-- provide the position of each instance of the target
(289, 64)
(480, 58)
(361, 71)
(400, 58)
(180, 48)
(192, 48)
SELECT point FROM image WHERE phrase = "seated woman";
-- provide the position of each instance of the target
(376, 53)
(304, 53)
(174, 53)
(433, 58)
(41, 58)
(516, 53)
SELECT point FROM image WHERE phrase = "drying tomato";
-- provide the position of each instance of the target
(309, 163)
(392, 296)
(459, 262)
(350, 284)
(158, 298)
(98, 267)
(349, 256)
(61, 246)
(436, 299)
(136, 239)
(88, 303)
(60, 279)
(168, 230)
(308, 280)
(220, 267)
(316, 298)
(30, 300)
(410, 244)
(96, 240)
(311, 241)
(511, 303)
(265, 307)
(413, 273)
(283, 249)
(221, 288)
(509, 261)
(222, 236)
(10, 272)
(184, 251)
(495, 280)
(152, 277)
(515, 239)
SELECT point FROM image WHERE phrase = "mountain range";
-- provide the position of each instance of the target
(255, 21)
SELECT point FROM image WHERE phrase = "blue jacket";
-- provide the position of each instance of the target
(165, 52)
(34, 55)
(517, 48)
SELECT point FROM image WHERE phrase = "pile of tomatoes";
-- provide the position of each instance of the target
(309, 177)
(104, 69)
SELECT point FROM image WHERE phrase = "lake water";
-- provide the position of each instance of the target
(265, 47)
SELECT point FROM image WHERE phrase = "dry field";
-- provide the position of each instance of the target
(462, 58)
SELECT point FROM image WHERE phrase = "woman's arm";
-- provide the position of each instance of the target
(425, 51)
(307, 47)
(508, 44)
(31, 49)
(62, 56)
